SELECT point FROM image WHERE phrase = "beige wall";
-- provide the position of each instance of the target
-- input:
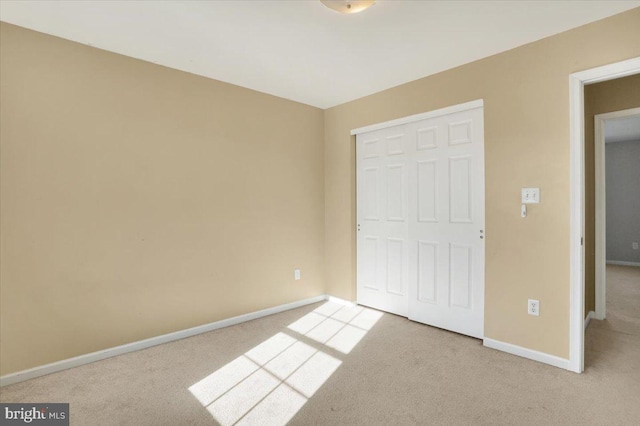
(526, 96)
(600, 98)
(139, 200)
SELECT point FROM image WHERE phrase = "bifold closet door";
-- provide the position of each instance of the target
(420, 212)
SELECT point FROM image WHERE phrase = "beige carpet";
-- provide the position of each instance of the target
(373, 371)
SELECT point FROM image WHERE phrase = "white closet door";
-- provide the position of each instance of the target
(446, 183)
(420, 212)
(382, 210)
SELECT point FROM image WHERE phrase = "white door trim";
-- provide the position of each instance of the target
(601, 207)
(422, 116)
(576, 256)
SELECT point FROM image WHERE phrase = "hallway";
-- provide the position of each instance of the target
(614, 344)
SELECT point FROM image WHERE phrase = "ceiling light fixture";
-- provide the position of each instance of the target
(348, 6)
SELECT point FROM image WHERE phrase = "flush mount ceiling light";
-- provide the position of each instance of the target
(348, 6)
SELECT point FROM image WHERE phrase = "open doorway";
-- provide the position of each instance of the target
(579, 258)
(617, 200)
(612, 218)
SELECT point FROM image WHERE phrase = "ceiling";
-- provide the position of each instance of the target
(625, 129)
(300, 50)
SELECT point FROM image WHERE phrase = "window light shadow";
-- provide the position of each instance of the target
(339, 327)
(271, 382)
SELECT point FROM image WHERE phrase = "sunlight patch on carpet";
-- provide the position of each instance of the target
(271, 382)
(337, 326)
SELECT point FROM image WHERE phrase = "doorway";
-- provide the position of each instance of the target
(577, 82)
(617, 198)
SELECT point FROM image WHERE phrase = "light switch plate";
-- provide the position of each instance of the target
(530, 195)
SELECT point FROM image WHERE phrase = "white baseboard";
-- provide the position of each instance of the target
(622, 263)
(587, 320)
(527, 353)
(77, 361)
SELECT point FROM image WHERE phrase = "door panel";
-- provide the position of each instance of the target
(427, 181)
(396, 193)
(383, 217)
(369, 258)
(460, 276)
(427, 271)
(453, 225)
(460, 191)
(395, 266)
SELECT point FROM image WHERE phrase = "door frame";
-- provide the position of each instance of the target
(577, 82)
(422, 116)
(601, 207)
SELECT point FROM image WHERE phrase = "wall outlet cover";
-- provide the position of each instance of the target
(530, 195)
(533, 307)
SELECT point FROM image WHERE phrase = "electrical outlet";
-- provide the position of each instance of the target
(533, 307)
(634, 246)
(296, 274)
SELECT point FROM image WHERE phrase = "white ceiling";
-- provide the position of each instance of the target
(301, 50)
(623, 129)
